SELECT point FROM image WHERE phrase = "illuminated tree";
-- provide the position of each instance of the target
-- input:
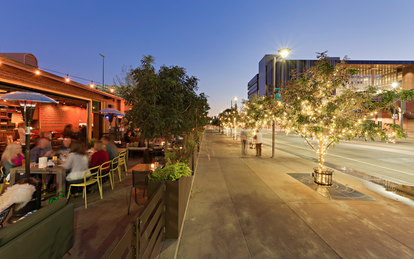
(259, 112)
(231, 118)
(323, 108)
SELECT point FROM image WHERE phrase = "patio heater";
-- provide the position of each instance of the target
(112, 113)
(27, 101)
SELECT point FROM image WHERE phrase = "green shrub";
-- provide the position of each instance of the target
(171, 172)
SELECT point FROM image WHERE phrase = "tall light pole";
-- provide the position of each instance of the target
(395, 85)
(103, 70)
(234, 120)
(235, 101)
(283, 54)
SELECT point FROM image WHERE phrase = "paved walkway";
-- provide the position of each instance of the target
(248, 207)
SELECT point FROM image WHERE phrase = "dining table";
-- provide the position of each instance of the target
(57, 170)
(141, 168)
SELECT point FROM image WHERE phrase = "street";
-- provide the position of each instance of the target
(392, 162)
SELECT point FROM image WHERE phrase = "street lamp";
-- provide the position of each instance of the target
(103, 70)
(235, 100)
(283, 53)
(395, 85)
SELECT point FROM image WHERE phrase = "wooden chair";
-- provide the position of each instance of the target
(115, 168)
(123, 157)
(139, 180)
(90, 176)
(105, 171)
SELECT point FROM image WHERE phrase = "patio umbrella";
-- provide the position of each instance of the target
(112, 113)
(27, 101)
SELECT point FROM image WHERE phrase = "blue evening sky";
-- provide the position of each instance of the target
(220, 42)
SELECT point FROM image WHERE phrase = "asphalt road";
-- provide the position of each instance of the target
(392, 162)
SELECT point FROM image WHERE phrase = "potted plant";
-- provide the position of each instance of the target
(177, 177)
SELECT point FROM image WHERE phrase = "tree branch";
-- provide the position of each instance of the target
(326, 148)
(307, 141)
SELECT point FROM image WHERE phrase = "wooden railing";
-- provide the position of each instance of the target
(143, 237)
(150, 226)
(125, 248)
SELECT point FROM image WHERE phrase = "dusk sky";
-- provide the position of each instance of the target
(219, 42)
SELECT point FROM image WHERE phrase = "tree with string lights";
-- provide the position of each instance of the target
(231, 118)
(322, 107)
(259, 112)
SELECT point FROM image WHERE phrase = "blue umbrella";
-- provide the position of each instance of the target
(111, 114)
(112, 111)
(27, 96)
(27, 110)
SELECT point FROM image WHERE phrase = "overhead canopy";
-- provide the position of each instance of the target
(112, 111)
(27, 96)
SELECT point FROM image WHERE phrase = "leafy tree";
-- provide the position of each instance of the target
(231, 118)
(322, 106)
(259, 112)
(164, 102)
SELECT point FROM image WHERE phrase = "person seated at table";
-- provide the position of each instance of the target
(68, 131)
(65, 147)
(127, 137)
(12, 157)
(110, 147)
(77, 162)
(41, 149)
(100, 156)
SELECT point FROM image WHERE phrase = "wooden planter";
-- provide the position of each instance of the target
(176, 196)
(322, 178)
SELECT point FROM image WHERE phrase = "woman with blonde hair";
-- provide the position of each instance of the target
(12, 157)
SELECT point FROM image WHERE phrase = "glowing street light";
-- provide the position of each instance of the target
(284, 53)
(235, 98)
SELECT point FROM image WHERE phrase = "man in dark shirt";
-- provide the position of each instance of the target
(110, 147)
(41, 149)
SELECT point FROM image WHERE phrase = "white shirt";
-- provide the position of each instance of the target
(77, 164)
(258, 138)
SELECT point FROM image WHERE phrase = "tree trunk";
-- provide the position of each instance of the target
(321, 156)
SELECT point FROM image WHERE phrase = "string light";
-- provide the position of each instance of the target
(67, 79)
(92, 85)
(37, 72)
(112, 90)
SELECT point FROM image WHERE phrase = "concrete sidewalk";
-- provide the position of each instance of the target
(248, 207)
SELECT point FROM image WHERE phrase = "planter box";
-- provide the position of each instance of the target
(322, 178)
(175, 197)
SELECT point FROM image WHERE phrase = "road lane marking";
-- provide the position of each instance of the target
(383, 167)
